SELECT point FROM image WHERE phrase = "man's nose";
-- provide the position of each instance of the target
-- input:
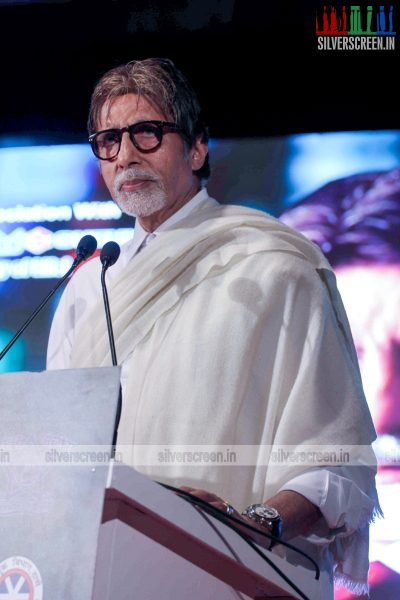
(128, 154)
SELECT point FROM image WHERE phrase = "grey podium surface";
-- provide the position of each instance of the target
(51, 499)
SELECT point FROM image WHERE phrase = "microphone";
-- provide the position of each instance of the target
(108, 257)
(85, 249)
(110, 254)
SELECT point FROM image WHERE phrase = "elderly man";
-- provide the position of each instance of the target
(229, 330)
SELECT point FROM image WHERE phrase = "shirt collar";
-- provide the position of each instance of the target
(139, 233)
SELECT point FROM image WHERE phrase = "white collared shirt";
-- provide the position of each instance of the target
(130, 248)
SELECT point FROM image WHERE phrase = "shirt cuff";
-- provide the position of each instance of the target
(341, 502)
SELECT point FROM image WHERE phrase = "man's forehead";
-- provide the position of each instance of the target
(134, 107)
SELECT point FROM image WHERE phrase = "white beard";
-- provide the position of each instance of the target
(141, 202)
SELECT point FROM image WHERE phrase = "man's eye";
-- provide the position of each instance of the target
(109, 138)
(146, 130)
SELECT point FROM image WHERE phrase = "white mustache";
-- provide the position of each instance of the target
(130, 174)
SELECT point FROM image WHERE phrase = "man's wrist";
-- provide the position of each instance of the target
(267, 517)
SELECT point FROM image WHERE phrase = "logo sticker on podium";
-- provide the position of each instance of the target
(20, 579)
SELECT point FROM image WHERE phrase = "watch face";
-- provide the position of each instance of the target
(266, 512)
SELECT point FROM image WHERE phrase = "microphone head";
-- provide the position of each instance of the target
(86, 247)
(109, 254)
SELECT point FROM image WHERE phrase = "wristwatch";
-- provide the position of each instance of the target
(266, 515)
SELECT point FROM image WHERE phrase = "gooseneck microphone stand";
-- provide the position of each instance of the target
(109, 256)
(85, 249)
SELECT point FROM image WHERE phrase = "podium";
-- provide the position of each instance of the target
(75, 525)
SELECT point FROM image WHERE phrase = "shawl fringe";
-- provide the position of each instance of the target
(355, 587)
(376, 514)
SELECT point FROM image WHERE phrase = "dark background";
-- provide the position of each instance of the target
(254, 63)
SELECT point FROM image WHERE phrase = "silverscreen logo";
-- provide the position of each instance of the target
(340, 26)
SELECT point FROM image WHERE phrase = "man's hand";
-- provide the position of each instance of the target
(217, 502)
(211, 498)
(298, 514)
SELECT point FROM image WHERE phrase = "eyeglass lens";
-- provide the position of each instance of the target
(145, 136)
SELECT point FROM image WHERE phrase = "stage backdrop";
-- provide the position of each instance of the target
(52, 195)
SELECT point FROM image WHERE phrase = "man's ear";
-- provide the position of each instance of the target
(198, 153)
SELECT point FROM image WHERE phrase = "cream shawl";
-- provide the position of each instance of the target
(235, 335)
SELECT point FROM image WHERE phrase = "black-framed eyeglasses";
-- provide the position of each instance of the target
(146, 136)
